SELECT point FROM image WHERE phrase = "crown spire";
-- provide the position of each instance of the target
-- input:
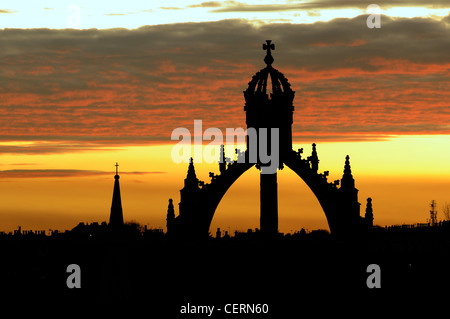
(268, 46)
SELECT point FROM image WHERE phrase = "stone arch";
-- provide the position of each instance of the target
(318, 184)
(238, 209)
(298, 206)
(326, 193)
(202, 202)
(216, 190)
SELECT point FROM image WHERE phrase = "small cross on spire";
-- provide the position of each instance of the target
(117, 168)
(268, 46)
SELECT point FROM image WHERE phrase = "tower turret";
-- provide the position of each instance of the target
(314, 159)
(369, 213)
(191, 180)
(348, 191)
(347, 181)
(170, 215)
(190, 191)
(223, 160)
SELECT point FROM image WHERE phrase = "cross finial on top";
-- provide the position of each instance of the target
(268, 46)
(117, 168)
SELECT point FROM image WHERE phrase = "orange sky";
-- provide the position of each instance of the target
(56, 191)
(75, 101)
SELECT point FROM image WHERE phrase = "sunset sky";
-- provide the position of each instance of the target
(86, 84)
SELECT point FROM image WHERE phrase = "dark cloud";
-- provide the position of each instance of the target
(43, 173)
(39, 148)
(95, 87)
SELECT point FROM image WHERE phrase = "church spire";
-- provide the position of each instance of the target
(116, 216)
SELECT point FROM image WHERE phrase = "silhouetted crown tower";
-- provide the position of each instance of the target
(116, 216)
(265, 109)
(268, 110)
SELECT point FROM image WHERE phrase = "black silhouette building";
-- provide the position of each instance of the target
(269, 105)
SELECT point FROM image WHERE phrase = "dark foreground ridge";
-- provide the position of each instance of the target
(147, 269)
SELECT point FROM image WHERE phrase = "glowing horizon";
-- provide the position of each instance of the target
(149, 178)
